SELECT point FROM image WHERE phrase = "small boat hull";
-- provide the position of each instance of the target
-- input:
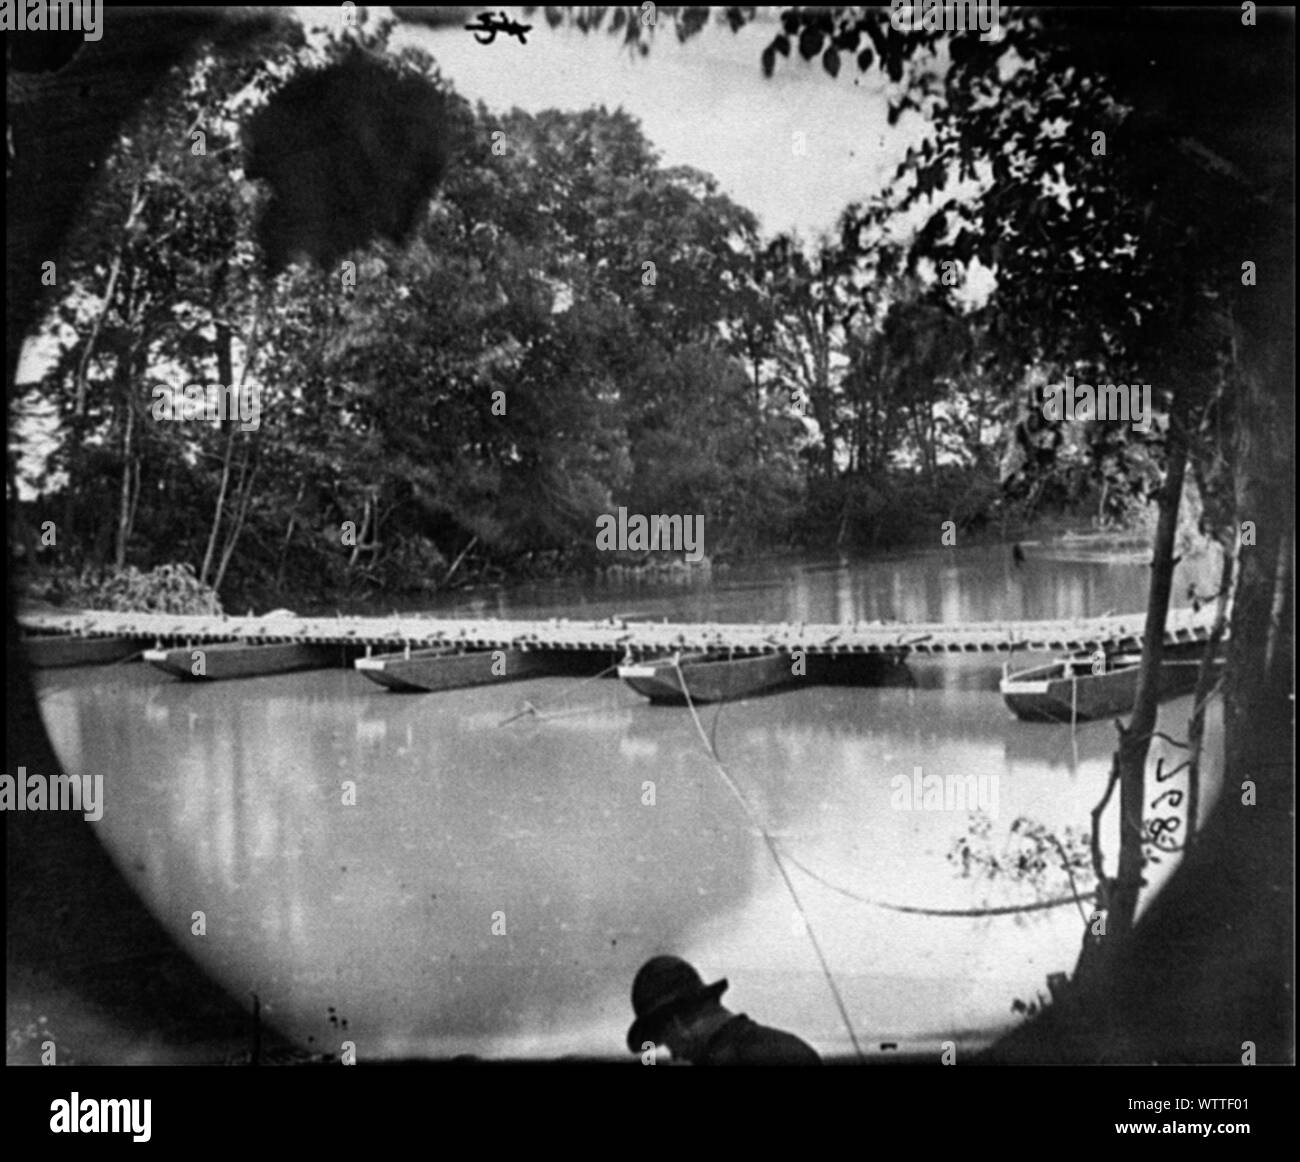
(1068, 690)
(47, 652)
(709, 677)
(440, 668)
(225, 660)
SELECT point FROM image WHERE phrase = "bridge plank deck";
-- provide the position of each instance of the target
(1182, 625)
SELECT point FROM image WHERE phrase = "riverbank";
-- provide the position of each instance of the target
(174, 588)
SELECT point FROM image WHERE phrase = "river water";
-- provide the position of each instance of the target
(500, 877)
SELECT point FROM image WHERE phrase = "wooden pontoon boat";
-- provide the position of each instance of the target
(212, 662)
(708, 677)
(1068, 690)
(443, 668)
(49, 651)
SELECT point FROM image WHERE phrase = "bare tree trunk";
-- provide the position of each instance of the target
(1205, 681)
(1276, 648)
(138, 199)
(1135, 739)
(288, 537)
(1255, 816)
(135, 498)
(225, 373)
(130, 468)
(376, 523)
(243, 494)
(1253, 705)
(456, 563)
(221, 504)
(361, 533)
(20, 529)
(844, 521)
(1118, 896)
(124, 494)
(826, 409)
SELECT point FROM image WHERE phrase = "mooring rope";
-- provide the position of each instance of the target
(1003, 910)
(709, 740)
(530, 708)
(776, 857)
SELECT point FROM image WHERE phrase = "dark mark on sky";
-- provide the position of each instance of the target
(499, 23)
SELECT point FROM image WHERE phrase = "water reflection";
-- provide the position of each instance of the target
(977, 584)
(499, 879)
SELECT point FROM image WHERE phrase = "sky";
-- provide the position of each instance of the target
(704, 103)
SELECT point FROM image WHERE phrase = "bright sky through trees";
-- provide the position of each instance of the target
(704, 104)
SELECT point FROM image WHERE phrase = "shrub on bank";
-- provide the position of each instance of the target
(165, 589)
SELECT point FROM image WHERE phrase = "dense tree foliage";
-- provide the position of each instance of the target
(568, 326)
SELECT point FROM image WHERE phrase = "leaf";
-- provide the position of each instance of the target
(769, 61)
(831, 62)
(864, 59)
(691, 21)
(810, 43)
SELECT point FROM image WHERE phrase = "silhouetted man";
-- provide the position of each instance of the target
(674, 1007)
(1018, 555)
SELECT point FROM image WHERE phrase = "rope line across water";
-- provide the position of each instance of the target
(776, 857)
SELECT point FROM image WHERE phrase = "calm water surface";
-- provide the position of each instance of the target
(500, 879)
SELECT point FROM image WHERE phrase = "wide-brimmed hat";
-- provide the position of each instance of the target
(664, 985)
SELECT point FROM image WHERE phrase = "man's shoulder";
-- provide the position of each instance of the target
(744, 1042)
